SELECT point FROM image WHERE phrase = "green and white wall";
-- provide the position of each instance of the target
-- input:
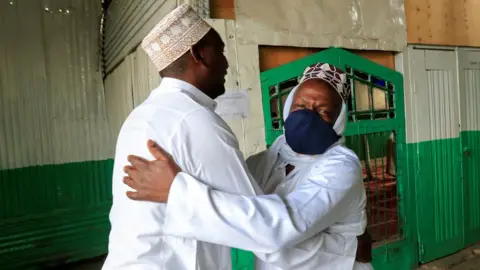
(59, 121)
(55, 160)
(442, 93)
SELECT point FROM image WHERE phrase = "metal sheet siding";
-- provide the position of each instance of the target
(471, 78)
(431, 96)
(443, 104)
(55, 169)
(469, 72)
(145, 76)
(119, 97)
(51, 94)
(127, 23)
(434, 150)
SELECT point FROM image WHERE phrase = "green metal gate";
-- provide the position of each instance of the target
(443, 146)
(469, 82)
(375, 130)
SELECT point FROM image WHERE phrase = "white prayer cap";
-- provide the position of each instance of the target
(174, 35)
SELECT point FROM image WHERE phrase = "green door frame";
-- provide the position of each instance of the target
(400, 254)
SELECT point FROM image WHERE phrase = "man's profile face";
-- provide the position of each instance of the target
(318, 96)
(217, 64)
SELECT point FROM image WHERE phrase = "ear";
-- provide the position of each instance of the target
(199, 56)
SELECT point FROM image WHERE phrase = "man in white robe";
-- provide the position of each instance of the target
(316, 214)
(180, 116)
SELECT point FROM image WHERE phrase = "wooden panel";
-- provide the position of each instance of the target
(274, 56)
(222, 9)
(443, 22)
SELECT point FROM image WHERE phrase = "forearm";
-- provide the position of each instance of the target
(260, 224)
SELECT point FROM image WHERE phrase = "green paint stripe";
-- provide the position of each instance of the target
(54, 214)
(447, 184)
(44, 203)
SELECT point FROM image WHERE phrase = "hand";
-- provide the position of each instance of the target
(151, 180)
(364, 248)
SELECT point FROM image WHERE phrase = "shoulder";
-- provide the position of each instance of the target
(342, 154)
(268, 155)
(257, 158)
(204, 120)
(338, 168)
(204, 128)
(174, 104)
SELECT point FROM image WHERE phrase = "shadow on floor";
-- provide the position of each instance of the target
(91, 264)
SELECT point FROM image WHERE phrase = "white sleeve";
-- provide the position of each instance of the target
(256, 165)
(264, 223)
(205, 147)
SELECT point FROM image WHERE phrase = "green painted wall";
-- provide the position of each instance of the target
(59, 213)
(471, 178)
(54, 214)
(447, 184)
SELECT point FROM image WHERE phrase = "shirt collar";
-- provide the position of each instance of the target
(170, 84)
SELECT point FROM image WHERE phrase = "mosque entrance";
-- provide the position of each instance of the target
(376, 132)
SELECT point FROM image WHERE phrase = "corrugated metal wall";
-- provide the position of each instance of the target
(434, 98)
(469, 74)
(127, 23)
(126, 87)
(52, 100)
(443, 145)
(433, 149)
(55, 170)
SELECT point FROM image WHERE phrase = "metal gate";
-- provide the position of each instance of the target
(443, 146)
(376, 132)
(469, 81)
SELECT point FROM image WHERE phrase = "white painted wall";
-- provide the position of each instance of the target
(354, 24)
(441, 91)
(469, 81)
(52, 103)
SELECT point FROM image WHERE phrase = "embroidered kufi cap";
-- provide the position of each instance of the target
(330, 74)
(174, 35)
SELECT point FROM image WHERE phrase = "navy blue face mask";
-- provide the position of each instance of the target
(307, 133)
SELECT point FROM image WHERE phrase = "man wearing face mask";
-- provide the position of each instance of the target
(316, 208)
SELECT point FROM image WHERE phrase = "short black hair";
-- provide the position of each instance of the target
(179, 66)
(176, 68)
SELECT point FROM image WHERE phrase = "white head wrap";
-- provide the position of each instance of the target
(339, 81)
(340, 123)
(174, 35)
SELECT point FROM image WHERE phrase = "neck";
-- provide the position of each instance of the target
(191, 80)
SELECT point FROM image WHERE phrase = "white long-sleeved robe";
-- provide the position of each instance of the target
(311, 223)
(180, 118)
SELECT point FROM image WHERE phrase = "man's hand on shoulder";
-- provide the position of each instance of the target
(151, 180)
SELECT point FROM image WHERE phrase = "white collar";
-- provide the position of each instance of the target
(171, 84)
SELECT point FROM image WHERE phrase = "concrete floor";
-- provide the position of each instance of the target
(92, 264)
(468, 259)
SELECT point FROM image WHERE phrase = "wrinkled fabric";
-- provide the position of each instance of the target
(319, 251)
(311, 220)
(181, 119)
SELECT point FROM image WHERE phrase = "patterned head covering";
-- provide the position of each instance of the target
(330, 74)
(174, 35)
